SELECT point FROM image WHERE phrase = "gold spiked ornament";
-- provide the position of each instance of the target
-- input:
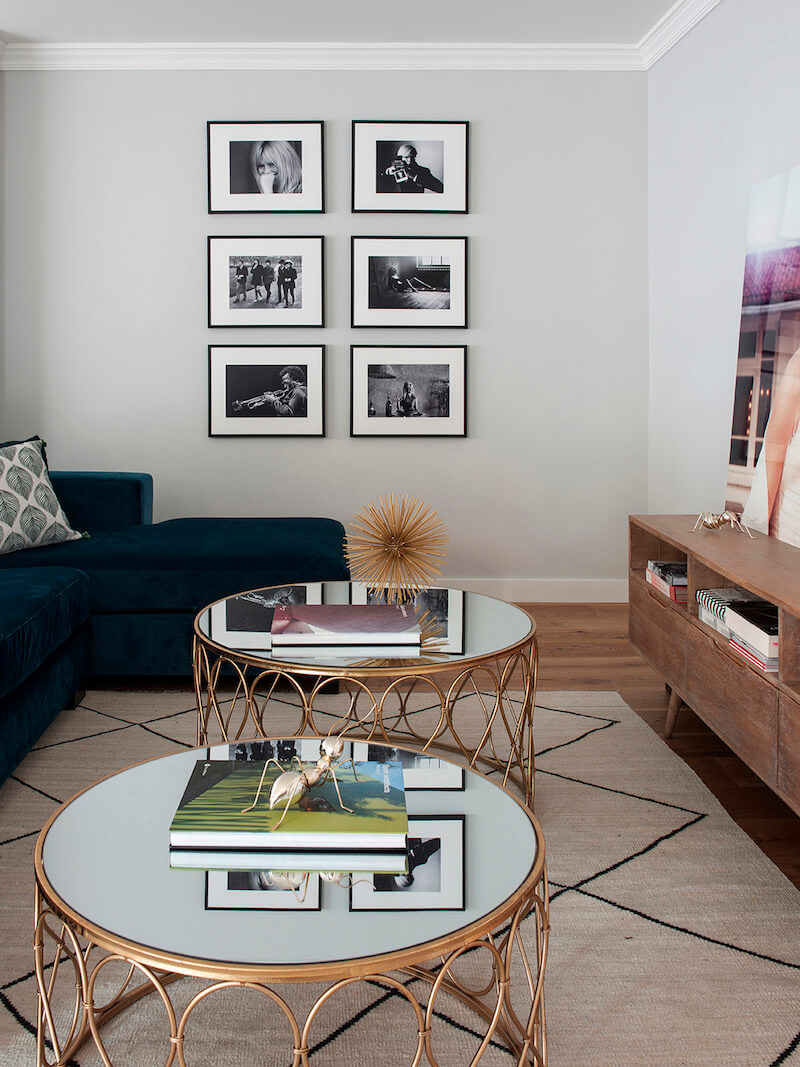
(396, 547)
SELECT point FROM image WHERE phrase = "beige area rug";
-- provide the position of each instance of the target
(674, 939)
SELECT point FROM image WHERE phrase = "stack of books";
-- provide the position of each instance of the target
(711, 605)
(364, 630)
(753, 626)
(669, 577)
(211, 830)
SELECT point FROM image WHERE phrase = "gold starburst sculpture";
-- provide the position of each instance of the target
(396, 547)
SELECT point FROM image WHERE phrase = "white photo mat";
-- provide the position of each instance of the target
(222, 423)
(453, 249)
(452, 641)
(220, 197)
(454, 137)
(220, 252)
(220, 897)
(364, 356)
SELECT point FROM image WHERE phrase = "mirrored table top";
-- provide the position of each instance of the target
(105, 857)
(459, 626)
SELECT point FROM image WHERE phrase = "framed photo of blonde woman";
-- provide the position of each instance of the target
(259, 167)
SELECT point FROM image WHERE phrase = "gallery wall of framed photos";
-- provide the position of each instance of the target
(400, 281)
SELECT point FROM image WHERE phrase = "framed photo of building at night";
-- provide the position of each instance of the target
(409, 281)
(265, 281)
(266, 391)
(272, 167)
(410, 166)
(408, 391)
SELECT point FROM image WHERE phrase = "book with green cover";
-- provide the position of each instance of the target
(210, 814)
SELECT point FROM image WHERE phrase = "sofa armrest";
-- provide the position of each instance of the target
(104, 500)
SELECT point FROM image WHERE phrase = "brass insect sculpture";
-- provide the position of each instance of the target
(293, 785)
(711, 521)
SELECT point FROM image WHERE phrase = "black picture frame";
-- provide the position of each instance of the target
(302, 135)
(247, 424)
(441, 146)
(224, 312)
(365, 413)
(403, 298)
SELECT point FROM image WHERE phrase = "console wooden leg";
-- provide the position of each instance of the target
(672, 713)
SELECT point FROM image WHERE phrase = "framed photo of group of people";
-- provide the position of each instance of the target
(273, 280)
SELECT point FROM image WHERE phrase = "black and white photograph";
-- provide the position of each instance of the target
(421, 772)
(266, 390)
(434, 880)
(409, 281)
(408, 391)
(265, 281)
(245, 621)
(443, 607)
(262, 891)
(410, 166)
(307, 750)
(265, 167)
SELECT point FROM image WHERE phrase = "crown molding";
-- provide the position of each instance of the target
(671, 27)
(319, 56)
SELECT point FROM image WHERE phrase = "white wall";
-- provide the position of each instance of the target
(104, 317)
(722, 114)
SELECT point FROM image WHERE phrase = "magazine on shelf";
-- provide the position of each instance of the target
(672, 572)
(345, 624)
(752, 656)
(211, 814)
(756, 623)
(716, 600)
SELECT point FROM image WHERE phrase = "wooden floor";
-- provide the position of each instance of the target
(586, 646)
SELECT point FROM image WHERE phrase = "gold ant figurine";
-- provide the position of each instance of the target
(293, 785)
(715, 522)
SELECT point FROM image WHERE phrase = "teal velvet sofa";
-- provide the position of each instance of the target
(121, 601)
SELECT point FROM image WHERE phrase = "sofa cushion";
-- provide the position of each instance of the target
(30, 514)
(40, 609)
(183, 564)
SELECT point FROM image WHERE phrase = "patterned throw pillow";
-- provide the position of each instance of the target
(30, 514)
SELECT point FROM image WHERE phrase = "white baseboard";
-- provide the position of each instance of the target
(547, 590)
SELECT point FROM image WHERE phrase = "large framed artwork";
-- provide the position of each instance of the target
(409, 281)
(417, 166)
(266, 390)
(265, 281)
(408, 391)
(764, 460)
(265, 167)
(444, 607)
(435, 877)
(261, 891)
(245, 621)
(422, 772)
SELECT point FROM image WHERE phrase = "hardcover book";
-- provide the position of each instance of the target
(345, 624)
(673, 573)
(242, 860)
(756, 622)
(211, 811)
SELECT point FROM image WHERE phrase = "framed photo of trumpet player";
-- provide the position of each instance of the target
(265, 281)
(409, 281)
(410, 166)
(266, 390)
(265, 167)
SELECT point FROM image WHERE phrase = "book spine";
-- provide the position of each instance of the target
(752, 657)
(676, 593)
(764, 644)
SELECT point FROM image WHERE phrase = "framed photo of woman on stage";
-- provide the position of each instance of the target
(408, 391)
(409, 281)
(266, 391)
(410, 166)
(271, 167)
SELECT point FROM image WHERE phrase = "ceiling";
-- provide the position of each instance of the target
(583, 22)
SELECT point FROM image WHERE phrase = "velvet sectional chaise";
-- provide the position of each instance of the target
(122, 600)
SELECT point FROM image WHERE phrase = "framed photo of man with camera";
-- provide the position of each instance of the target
(410, 166)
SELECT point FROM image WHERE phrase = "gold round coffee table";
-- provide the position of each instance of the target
(469, 693)
(494, 921)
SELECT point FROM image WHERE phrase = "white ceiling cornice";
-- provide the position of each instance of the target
(343, 56)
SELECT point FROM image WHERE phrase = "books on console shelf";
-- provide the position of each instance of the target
(707, 616)
(368, 862)
(211, 816)
(753, 657)
(754, 622)
(716, 600)
(677, 593)
(671, 571)
(345, 624)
